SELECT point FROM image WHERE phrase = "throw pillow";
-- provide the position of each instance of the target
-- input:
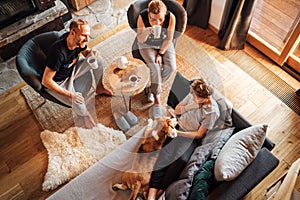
(202, 181)
(72, 152)
(239, 151)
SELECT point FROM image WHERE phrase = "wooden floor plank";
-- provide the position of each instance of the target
(14, 193)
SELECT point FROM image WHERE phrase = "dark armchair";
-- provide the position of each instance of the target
(31, 63)
(172, 5)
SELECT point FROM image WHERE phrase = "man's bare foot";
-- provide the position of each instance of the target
(102, 90)
(89, 121)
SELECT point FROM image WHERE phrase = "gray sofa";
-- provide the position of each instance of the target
(96, 182)
(262, 165)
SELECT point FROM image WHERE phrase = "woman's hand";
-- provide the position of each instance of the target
(159, 60)
(143, 33)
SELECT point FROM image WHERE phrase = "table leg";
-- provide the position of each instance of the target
(127, 102)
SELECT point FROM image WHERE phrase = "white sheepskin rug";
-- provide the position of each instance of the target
(72, 152)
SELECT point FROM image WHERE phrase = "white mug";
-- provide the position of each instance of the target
(156, 30)
(92, 61)
(134, 79)
(123, 62)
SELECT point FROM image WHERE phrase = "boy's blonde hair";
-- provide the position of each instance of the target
(201, 88)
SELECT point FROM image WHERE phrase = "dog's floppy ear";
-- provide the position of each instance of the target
(169, 122)
(171, 127)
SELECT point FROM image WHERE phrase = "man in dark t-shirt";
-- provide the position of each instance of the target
(63, 67)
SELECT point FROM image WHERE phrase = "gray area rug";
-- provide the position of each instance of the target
(51, 116)
(58, 118)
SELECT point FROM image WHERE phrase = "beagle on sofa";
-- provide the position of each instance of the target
(137, 178)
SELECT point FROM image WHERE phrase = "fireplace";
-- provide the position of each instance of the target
(22, 19)
(14, 10)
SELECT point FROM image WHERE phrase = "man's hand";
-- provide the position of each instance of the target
(88, 51)
(95, 52)
(77, 98)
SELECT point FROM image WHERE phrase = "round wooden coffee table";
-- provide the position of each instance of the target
(118, 79)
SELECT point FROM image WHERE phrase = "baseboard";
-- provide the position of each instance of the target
(213, 28)
(291, 71)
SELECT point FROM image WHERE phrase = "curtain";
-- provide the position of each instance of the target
(198, 12)
(235, 23)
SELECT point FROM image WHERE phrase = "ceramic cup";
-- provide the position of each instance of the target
(92, 61)
(123, 62)
(133, 79)
(156, 30)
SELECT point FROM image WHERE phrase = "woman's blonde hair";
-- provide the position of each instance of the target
(201, 88)
(156, 7)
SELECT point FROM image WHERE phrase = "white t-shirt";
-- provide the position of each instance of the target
(192, 119)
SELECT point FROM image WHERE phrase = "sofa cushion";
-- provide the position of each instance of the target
(180, 88)
(225, 107)
(239, 151)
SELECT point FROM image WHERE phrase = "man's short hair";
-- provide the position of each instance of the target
(75, 24)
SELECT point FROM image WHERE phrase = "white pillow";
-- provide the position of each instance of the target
(238, 152)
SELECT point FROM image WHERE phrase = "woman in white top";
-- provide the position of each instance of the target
(158, 51)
